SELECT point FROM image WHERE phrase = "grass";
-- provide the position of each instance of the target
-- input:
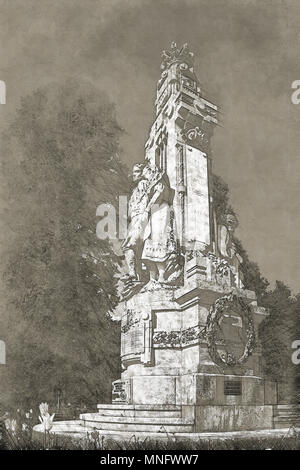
(94, 441)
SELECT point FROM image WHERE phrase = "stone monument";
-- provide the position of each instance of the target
(190, 352)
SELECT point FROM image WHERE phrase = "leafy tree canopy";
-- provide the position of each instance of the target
(61, 163)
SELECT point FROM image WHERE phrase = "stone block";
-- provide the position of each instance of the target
(233, 418)
(185, 389)
(270, 392)
(206, 389)
(154, 390)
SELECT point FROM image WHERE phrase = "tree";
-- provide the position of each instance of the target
(252, 277)
(220, 192)
(61, 163)
(276, 333)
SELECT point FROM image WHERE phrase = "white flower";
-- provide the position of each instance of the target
(43, 408)
(45, 418)
(11, 425)
(7, 424)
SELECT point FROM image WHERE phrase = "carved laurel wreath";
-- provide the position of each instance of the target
(213, 322)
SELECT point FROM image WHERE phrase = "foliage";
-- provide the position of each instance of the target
(61, 163)
(252, 277)
(277, 333)
(95, 440)
(220, 192)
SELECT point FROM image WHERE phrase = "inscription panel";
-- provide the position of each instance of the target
(197, 223)
(232, 387)
(132, 341)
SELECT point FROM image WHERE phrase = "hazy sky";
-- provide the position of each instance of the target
(247, 56)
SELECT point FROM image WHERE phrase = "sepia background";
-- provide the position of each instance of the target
(247, 56)
(81, 83)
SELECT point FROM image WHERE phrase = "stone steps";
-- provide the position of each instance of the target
(140, 411)
(287, 406)
(286, 416)
(290, 418)
(140, 424)
(286, 424)
(286, 410)
(116, 406)
(134, 419)
(136, 428)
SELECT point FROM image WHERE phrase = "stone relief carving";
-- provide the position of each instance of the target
(193, 129)
(179, 338)
(183, 55)
(190, 135)
(216, 313)
(131, 318)
(226, 246)
(217, 269)
(225, 234)
(136, 338)
(209, 332)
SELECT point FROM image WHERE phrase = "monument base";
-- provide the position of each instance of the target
(189, 422)
(180, 419)
(198, 389)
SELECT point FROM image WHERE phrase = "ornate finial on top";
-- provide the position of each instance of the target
(175, 55)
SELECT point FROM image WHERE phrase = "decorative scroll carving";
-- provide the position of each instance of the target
(195, 134)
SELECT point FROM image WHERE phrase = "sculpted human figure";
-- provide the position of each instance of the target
(133, 244)
(227, 247)
(225, 233)
(159, 236)
(149, 239)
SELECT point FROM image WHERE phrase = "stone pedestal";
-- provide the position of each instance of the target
(196, 347)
